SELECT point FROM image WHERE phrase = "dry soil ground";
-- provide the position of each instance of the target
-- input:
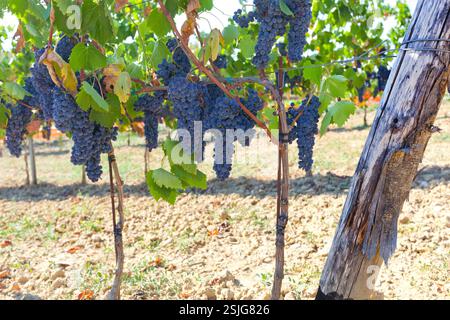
(56, 238)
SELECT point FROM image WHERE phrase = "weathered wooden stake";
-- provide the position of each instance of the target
(367, 231)
(32, 161)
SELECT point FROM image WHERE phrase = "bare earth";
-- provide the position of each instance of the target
(56, 241)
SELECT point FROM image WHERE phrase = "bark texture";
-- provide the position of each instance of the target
(367, 231)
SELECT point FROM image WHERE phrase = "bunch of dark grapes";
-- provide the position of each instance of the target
(90, 139)
(16, 129)
(305, 130)
(298, 27)
(272, 23)
(31, 100)
(180, 67)
(226, 114)
(243, 20)
(188, 108)
(151, 105)
(221, 62)
(294, 82)
(43, 86)
(382, 77)
(166, 71)
(65, 46)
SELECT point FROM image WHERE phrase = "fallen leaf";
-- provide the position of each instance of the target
(184, 295)
(171, 267)
(15, 287)
(74, 249)
(5, 274)
(214, 232)
(86, 295)
(5, 244)
(158, 262)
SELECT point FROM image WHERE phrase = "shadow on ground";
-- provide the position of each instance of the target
(244, 186)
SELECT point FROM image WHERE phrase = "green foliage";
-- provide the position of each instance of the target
(183, 174)
(134, 39)
(87, 58)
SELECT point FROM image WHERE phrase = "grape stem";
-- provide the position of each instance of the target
(118, 224)
(282, 187)
(209, 73)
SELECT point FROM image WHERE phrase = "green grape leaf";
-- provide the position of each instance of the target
(88, 98)
(285, 9)
(15, 91)
(87, 58)
(4, 114)
(160, 52)
(96, 21)
(337, 113)
(206, 5)
(230, 34)
(312, 73)
(105, 119)
(247, 46)
(157, 23)
(197, 180)
(176, 155)
(337, 86)
(158, 192)
(166, 179)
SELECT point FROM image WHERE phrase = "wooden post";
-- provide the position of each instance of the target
(83, 175)
(32, 161)
(367, 231)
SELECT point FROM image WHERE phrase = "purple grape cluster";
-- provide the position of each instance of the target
(273, 22)
(43, 86)
(243, 20)
(221, 62)
(298, 27)
(151, 105)
(16, 129)
(90, 139)
(226, 114)
(382, 77)
(179, 67)
(305, 130)
(188, 108)
(65, 46)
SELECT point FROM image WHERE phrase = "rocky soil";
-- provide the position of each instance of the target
(56, 241)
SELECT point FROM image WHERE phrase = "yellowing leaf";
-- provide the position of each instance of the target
(21, 41)
(215, 40)
(192, 6)
(111, 74)
(60, 71)
(122, 87)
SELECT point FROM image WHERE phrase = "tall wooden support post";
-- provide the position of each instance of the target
(32, 161)
(367, 231)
